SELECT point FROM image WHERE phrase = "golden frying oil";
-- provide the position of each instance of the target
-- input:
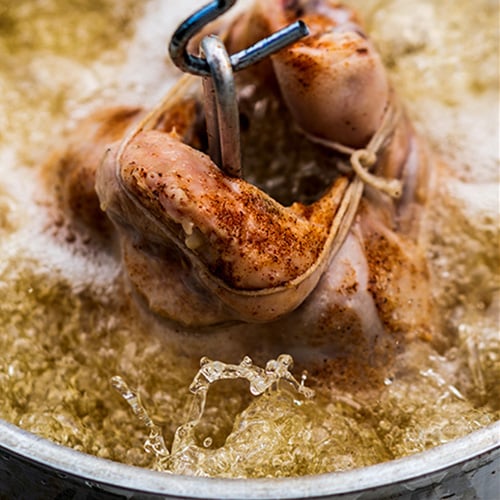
(65, 325)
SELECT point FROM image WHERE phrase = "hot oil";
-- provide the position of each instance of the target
(66, 326)
(282, 433)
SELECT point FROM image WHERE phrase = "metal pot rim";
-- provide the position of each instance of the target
(96, 471)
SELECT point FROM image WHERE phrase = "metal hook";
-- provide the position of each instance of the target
(260, 50)
(221, 108)
(217, 69)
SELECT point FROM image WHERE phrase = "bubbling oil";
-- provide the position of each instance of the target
(186, 455)
(66, 326)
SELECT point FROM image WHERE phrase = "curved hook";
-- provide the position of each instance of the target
(192, 25)
(195, 23)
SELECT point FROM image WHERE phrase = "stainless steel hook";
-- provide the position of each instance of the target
(217, 68)
(221, 108)
(190, 63)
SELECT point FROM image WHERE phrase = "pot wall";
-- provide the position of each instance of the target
(34, 468)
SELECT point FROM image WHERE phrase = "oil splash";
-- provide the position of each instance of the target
(185, 448)
(155, 443)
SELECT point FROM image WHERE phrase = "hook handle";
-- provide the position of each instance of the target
(260, 50)
(269, 45)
